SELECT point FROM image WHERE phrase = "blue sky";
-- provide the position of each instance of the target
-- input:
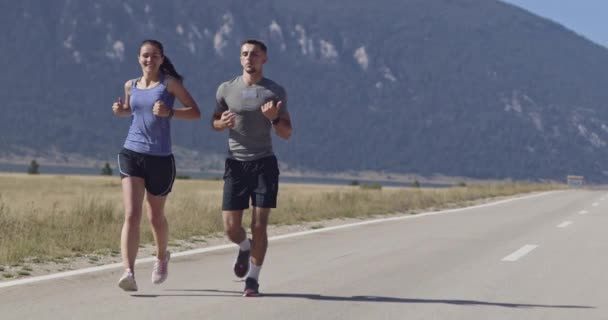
(588, 18)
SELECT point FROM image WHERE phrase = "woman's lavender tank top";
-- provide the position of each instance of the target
(148, 133)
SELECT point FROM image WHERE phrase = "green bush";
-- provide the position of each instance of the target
(371, 186)
(34, 168)
(106, 170)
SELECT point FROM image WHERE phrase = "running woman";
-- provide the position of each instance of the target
(146, 162)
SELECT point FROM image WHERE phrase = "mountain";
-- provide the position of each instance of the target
(475, 88)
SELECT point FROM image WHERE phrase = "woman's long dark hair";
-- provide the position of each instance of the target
(166, 67)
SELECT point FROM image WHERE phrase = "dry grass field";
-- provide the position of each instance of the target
(46, 217)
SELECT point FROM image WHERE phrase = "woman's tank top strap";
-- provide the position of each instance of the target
(134, 82)
(163, 80)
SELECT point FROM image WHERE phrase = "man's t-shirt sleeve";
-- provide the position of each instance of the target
(220, 101)
(283, 97)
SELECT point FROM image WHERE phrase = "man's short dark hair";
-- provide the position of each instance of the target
(255, 42)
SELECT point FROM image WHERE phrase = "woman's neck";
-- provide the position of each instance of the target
(149, 78)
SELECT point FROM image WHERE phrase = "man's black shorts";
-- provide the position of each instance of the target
(158, 172)
(257, 180)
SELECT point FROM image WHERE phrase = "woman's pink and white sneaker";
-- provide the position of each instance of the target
(161, 270)
(127, 281)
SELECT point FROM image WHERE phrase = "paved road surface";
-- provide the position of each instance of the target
(537, 257)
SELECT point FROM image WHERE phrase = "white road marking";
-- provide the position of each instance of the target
(595, 204)
(564, 224)
(583, 212)
(520, 253)
(291, 235)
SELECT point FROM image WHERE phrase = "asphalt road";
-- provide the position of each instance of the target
(536, 257)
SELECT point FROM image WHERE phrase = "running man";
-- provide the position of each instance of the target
(250, 106)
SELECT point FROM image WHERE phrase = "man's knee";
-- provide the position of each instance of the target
(258, 229)
(232, 224)
(233, 229)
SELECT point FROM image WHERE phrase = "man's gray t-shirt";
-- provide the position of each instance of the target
(250, 138)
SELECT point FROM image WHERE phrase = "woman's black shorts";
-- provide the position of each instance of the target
(158, 172)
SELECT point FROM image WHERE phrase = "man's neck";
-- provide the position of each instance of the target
(251, 79)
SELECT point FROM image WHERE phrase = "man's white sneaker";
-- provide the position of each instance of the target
(161, 270)
(127, 281)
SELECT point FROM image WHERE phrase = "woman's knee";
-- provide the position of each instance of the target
(157, 218)
(132, 215)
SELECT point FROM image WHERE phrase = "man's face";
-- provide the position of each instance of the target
(252, 58)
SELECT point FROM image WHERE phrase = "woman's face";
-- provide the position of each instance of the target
(150, 58)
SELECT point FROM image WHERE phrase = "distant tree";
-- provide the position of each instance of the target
(106, 170)
(416, 184)
(371, 186)
(354, 183)
(34, 168)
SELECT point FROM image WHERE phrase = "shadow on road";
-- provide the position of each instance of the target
(461, 302)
